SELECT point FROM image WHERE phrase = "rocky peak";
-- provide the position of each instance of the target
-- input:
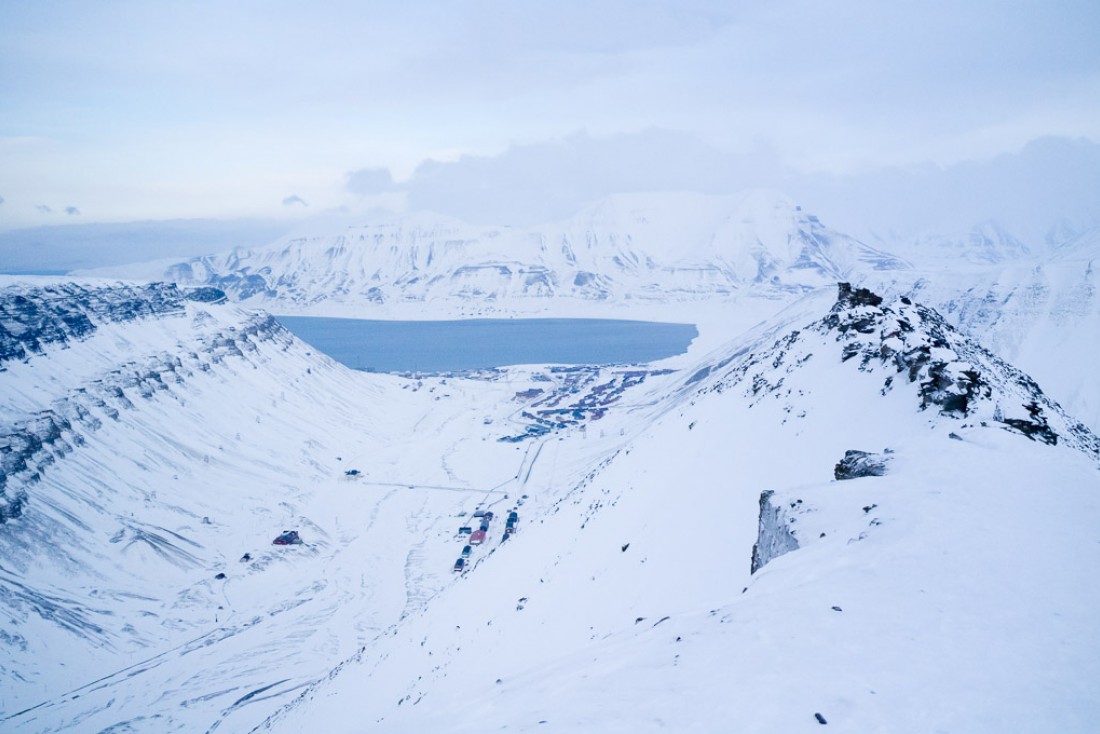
(909, 343)
(907, 346)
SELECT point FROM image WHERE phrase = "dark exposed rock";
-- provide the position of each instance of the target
(861, 464)
(1035, 428)
(847, 297)
(206, 294)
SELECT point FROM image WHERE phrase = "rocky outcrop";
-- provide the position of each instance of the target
(773, 536)
(857, 464)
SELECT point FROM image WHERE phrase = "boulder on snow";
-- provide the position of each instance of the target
(1035, 427)
(861, 464)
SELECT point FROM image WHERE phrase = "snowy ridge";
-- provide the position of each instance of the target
(34, 318)
(38, 321)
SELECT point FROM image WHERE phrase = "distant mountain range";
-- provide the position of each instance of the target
(649, 247)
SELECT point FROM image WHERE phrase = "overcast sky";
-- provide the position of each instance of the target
(117, 111)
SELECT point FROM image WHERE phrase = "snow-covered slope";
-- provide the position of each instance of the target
(648, 247)
(945, 595)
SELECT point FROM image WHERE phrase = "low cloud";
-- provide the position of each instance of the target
(293, 200)
(1, 199)
(541, 182)
(1047, 188)
(1049, 183)
(43, 209)
(72, 211)
(367, 181)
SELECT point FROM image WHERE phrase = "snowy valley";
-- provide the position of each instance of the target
(872, 510)
(730, 260)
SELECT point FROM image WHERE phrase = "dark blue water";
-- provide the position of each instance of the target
(448, 346)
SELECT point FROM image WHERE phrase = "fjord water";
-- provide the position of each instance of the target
(446, 346)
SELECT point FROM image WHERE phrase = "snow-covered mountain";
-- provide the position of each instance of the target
(165, 440)
(987, 243)
(648, 247)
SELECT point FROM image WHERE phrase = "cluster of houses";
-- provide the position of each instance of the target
(576, 399)
(477, 537)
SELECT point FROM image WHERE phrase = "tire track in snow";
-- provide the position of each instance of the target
(416, 596)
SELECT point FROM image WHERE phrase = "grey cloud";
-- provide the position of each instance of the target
(1, 199)
(43, 209)
(294, 199)
(72, 211)
(529, 184)
(368, 181)
(1051, 182)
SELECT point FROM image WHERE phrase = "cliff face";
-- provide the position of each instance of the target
(34, 320)
(774, 537)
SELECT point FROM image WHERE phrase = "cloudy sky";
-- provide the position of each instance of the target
(118, 111)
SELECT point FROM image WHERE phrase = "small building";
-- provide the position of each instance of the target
(465, 530)
(287, 537)
(477, 538)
